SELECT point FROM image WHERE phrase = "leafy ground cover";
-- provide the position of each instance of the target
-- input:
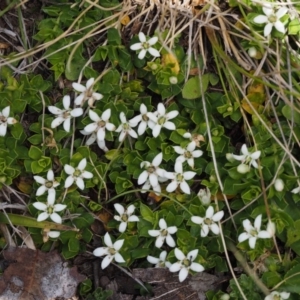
(159, 133)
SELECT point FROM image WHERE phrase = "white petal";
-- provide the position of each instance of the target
(82, 164)
(154, 52)
(78, 87)
(255, 155)
(119, 208)
(136, 46)
(152, 260)
(133, 219)
(173, 114)
(243, 237)
(264, 234)
(157, 160)
(101, 134)
(192, 254)
(42, 217)
(170, 241)
(178, 149)
(162, 224)
(281, 12)
(107, 240)
(154, 233)
(101, 251)
(94, 116)
(163, 255)
(279, 26)
(66, 101)
(135, 120)
(69, 181)
(284, 295)
(56, 218)
(40, 205)
(80, 183)
(196, 267)
(142, 37)
(143, 177)
(175, 267)
(218, 216)
(130, 209)
(91, 127)
(123, 117)
(252, 242)
(204, 230)
(57, 121)
(153, 180)
(119, 258)
(118, 244)
(215, 229)
(169, 125)
(178, 167)
(267, 9)
(76, 112)
(197, 153)
(197, 220)
(152, 40)
(39, 179)
(159, 241)
(142, 54)
(79, 99)
(247, 225)
(260, 19)
(185, 187)
(122, 136)
(41, 190)
(156, 130)
(209, 212)
(53, 234)
(183, 273)
(5, 111)
(172, 186)
(50, 175)
(67, 125)
(172, 229)
(106, 115)
(87, 175)
(106, 261)
(110, 126)
(69, 169)
(257, 222)
(97, 96)
(179, 254)
(90, 82)
(268, 29)
(59, 207)
(54, 110)
(51, 197)
(133, 133)
(189, 175)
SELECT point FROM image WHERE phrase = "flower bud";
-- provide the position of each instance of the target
(229, 157)
(242, 168)
(173, 80)
(225, 297)
(271, 228)
(252, 52)
(204, 195)
(279, 185)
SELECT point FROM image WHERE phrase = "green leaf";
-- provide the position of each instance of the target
(74, 245)
(85, 220)
(140, 253)
(291, 113)
(35, 153)
(113, 37)
(147, 213)
(17, 130)
(291, 280)
(112, 154)
(195, 86)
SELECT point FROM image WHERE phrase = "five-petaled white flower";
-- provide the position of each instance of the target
(64, 115)
(145, 46)
(161, 119)
(125, 128)
(246, 158)
(163, 234)
(143, 119)
(253, 233)
(185, 264)
(209, 221)
(278, 296)
(153, 173)
(5, 119)
(179, 178)
(272, 18)
(77, 175)
(188, 154)
(48, 184)
(87, 93)
(159, 262)
(100, 124)
(111, 251)
(125, 216)
(49, 210)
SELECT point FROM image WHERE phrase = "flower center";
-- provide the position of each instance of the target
(101, 123)
(89, 93)
(145, 118)
(49, 184)
(187, 262)
(66, 114)
(164, 232)
(50, 209)
(145, 45)
(151, 169)
(272, 18)
(253, 232)
(161, 120)
(124, 217)
(77, 173)
(126, 126)
(188, 154)
(112, 251)
(3, 119)
(208, 221)
(179, 177)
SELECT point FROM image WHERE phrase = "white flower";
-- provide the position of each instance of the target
(4, 120)
(296, 190)
(151, 176)
(111, 251)
(188, 154)
(163, 234)
(246, 158)
(48, 184)
(205, 196)
(185, 264)
(159, 262)
(179, 178)
(279, 185)
(100, 124)
(53, 234)
(253, 233)
(49, 210)
(209, 221)
(195, 138)
(92, 138)
(145, 46)
(64, 115)
(125, 128)
(278, 296)
(77, 175)
(161, 119)
(87, 93)
(125, 216)
(271, 18)
(143, 119)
